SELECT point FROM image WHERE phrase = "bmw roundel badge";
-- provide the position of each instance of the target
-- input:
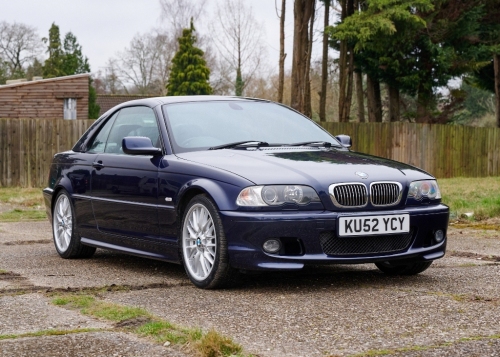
(363, 175)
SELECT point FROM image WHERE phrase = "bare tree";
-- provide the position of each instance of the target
(496, 65)
(324, 63)
(146, 62)
(239, 39)
(178, 13)
(281, 76)
(303, 14)
(109, 82)
(346, 67)
(19, 45)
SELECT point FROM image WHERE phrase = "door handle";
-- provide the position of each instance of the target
(98, 165)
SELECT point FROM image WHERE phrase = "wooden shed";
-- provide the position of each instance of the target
(62, 97)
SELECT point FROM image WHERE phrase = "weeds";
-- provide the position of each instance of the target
(210, 344)
(48, 333)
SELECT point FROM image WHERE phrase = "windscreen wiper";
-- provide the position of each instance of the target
(238, 143)
(326, 144)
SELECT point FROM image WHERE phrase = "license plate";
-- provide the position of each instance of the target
(373, 225)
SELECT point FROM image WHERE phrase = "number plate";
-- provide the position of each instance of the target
(373, 225)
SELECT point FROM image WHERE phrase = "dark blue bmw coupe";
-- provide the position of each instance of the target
(226, 184)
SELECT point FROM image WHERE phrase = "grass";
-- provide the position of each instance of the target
(27, 204)
(478, 195)
(210, 344)
(26, 197)
(19, 215)
(89, 305)
(48, 333)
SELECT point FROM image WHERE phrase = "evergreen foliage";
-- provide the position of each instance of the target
(66, 61)
(94, 108)
(417, 46)
(53, 65)
(73, 61)
(189, 74)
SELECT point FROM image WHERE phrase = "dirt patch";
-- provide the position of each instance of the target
(135, 322)
(28, 242)
(492, 224)
(476, 256)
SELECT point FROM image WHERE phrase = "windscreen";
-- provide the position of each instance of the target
(200, 125)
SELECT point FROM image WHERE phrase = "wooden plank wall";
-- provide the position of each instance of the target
(442, 150)
(45, 98)
(28, 145)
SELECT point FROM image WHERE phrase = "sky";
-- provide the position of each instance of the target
(105, 27)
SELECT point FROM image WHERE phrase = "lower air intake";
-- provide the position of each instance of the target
(332, 245)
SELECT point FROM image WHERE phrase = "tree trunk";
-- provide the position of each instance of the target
(346, 67)
(424, 100)
(374, 100)
(307, 79)
(394, 113)
(324, 65)
(496, 65)
(358, 78)
(302, 13)
(281, 78)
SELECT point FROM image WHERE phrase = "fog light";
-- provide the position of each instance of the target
(272, 245)
(439, 236)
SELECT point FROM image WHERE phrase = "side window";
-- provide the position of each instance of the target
(99, 142)
(133, 121)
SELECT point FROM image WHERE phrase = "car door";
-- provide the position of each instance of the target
(125, 187)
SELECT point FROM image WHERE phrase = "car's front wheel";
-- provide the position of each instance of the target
(66, 239)
(204, 246)
(403, 269)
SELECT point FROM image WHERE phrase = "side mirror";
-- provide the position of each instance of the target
(139, 145)
(345, 140)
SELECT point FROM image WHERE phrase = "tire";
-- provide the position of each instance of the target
(203, 245)
(65, 235)
(403, 269)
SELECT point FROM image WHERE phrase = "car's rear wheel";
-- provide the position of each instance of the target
(66, 238)
(403, 269)
(204, 246)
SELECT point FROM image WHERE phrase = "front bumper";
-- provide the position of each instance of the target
(247, 231)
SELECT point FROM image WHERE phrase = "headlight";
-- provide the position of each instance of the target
(424, 189)
(276, 195)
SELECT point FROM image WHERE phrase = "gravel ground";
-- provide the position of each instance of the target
(451, 309)
(88, 344)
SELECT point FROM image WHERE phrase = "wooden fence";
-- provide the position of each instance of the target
(28, 145)
(442, 150)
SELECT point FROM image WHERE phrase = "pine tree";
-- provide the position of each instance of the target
(94, 108)
(189, 74)
(53, 65)
(73, 61)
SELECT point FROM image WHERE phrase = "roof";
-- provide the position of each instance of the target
(154, 101)
(47, 80)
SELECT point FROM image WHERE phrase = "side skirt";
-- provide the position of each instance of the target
(136, 252)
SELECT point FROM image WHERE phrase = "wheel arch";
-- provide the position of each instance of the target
(219, 192)
(63, 184)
